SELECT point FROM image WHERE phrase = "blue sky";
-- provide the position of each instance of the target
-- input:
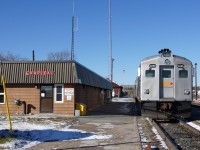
(140, 28)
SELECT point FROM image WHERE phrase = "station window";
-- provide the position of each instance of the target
(150, 73)
(59, 93)
(46, 91)
(2, 101)
(183, 74)
(166, 73)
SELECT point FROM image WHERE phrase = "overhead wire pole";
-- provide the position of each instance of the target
(72, 44)
(110, 43)
(196, 92)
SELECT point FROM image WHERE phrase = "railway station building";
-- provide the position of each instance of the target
(51, 87)
(117, 90)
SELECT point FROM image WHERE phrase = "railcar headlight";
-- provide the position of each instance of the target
(186, 92)
(167, 62)
(152, 66)
(146, 91)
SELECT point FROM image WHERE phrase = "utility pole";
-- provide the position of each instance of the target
(196, 93)
(72, 44)
(110, 43)
(33, 55)
(123, 79)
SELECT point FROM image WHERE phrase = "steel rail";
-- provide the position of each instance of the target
(165, 136)
(185, 125)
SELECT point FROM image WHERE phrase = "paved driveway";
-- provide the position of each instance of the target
(115, 120)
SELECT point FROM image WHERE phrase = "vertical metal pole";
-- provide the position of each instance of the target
(123, 80)
(112, 69)
(110, 41)
(196, 93)
(6, 100)
(72, 44)
(33, 55)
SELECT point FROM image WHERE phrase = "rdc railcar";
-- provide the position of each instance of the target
(164, 84)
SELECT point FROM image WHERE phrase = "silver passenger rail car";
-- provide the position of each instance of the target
(164, 84)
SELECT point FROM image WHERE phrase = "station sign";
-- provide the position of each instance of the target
(40, 72)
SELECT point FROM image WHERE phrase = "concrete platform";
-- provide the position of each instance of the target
(114, 119)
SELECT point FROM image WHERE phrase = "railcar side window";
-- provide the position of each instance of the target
(166, 73)
(150, 73)
(183, 74)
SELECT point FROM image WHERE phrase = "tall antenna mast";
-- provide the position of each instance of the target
(72, 44)
(33, 55)
(110, 43)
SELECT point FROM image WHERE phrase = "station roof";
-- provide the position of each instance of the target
(51, 72)
(115, 85)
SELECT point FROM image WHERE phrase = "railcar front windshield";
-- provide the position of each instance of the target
(150, 73)
(183, 74)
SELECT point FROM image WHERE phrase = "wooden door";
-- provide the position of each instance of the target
(46, 100)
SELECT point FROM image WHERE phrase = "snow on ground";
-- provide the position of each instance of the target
(123, 99)
(158, 137)
(194, 125)
(163, 144)
(27, 134)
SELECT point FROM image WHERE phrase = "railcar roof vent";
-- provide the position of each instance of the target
(165, 52)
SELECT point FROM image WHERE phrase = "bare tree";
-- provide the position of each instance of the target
(62, 55)
(10, 57)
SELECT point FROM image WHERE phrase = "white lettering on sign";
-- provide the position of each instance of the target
(40, 72)
(69, 91)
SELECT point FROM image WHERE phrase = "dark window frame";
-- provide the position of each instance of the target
(150, 73)
(166, 73)
(182, 74)
(2, 102)
(2, 93)
(47, 90)
(60, 93)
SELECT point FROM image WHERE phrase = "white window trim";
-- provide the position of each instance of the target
(3, 97)
(55, 94)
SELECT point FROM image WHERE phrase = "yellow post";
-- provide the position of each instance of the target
(6, 100)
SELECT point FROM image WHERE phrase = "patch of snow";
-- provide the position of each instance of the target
(123, 100)
(28, 134)
(159, 138)
(143, 138)
(194, 125)
(147, 118)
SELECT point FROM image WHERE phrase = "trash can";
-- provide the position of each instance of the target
(77, 106)
(82, 109)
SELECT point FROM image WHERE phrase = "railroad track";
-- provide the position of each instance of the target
(178, 135)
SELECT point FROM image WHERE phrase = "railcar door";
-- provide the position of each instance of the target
(166, 82)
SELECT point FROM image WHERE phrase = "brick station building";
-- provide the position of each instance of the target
(51, 87)
(117, 90)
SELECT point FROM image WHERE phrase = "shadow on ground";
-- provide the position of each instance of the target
(116, 108)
